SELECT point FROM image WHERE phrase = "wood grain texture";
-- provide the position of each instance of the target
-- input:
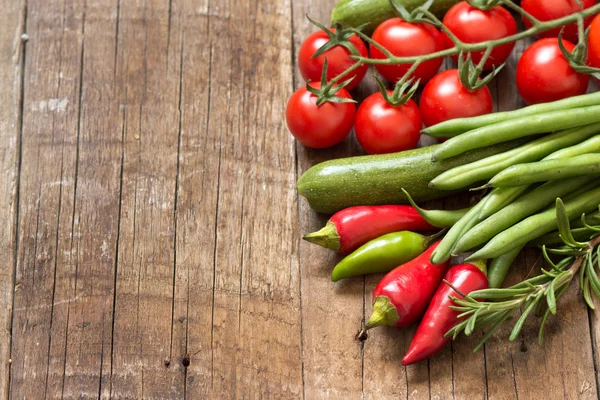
(155, 225)
(48, 175)
(148, 79)
(12, 26)
(331, 313)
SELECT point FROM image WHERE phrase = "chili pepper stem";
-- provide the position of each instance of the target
(481, 264)
(327, 237)
(384, 314)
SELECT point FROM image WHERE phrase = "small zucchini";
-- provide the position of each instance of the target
(379, 179)
(354, 13)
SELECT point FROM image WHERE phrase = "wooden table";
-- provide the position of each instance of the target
(152, 227)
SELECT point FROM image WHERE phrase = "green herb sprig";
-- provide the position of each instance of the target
(537, 295)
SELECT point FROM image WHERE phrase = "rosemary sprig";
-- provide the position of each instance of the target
(538, 294)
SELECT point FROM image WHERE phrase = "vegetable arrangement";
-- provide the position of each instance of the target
(534, 172)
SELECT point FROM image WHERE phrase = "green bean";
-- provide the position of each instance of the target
(553, 238)
(592, 145)
(517, 128)
(535, 226)
(438, 218)
(444, 250)
(499, 267)
(465, 175)
(523, 207)
(455, 127)
(547, 170)
(579, 231)
(498, 199)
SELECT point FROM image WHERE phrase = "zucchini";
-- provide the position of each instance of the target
(354, 13)
(379, 179)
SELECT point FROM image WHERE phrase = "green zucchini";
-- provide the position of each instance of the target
(354, 13)
(379, 179)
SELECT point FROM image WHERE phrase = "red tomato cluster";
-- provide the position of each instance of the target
(543, 74)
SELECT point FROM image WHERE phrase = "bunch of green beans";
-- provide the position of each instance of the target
(517, 128)
(455, 127)
(550, 147)
(563, 161)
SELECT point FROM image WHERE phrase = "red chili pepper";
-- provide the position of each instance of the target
(439, 317)
(402, 296)
(349, 229)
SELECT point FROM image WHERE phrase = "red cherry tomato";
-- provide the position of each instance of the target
(546, 10)
(445, 98)
(338, 59)
(383, 128)
(472, 25)
(594, 43)
(543, 73)
(319, 126)
(405, 39)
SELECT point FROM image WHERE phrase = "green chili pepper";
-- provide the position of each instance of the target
(517, 128)
(499, 267)
(382, 254)
(537, 225)
(524, 206)
(547, 170)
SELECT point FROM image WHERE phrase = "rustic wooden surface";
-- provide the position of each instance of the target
(152, 228)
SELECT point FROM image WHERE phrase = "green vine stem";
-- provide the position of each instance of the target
(538, 27)
(470, 78)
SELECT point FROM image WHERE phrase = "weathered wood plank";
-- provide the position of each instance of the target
(256, 338)
(148, 80)
(12, 26)
(49, 148)
(332, 313)
(198, 182)
(89, 268)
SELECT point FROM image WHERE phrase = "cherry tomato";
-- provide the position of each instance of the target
(319, 126)
(594, 43)
(338, 59)
(472, 25)
(546, 10)
(543, 73)
(406, 39)
(445, 98)
(383, 128)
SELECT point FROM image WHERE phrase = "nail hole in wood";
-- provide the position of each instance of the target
(186, 361)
